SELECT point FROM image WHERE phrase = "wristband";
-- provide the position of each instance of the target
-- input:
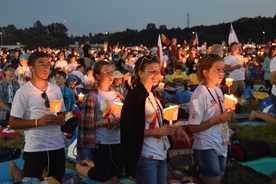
(218, 120)
(36, 120)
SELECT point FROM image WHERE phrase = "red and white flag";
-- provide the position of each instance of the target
(232, 36)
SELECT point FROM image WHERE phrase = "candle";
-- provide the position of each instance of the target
(230, 102)
(171, 113)
(196, 61)
(118, 107)
(245, 59)
(20, 71)
(228, 82)
(81, 97)
(161, 85)
(240, 61)
(55, 106)
(165, 64)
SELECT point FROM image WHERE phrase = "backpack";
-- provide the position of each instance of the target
(7, 154)
(71, 123)
(71, 152)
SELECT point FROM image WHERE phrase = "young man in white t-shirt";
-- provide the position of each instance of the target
(44, 143)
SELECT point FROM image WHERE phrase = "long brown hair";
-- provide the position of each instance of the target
(140, 65)
(205, 64)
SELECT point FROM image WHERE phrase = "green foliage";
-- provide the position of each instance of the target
(248, 133)
(17, 142)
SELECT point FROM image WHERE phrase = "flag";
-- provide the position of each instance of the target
(197, 42)
(160, 55)
(160, 50)
(232, 36)
(165, 40)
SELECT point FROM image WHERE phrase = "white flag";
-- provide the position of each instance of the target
(197, 42)
(232, 36)
(160, 50)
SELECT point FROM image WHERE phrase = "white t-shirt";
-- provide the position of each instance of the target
(237, 74)
(88, 80)
(154, 147)
(61, 64)
(26, 71)
(72, 66)
(273, 69)
(104, 110)
(202, 108)
(29, 104)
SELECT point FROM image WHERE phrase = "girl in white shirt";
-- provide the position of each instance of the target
(208, 121)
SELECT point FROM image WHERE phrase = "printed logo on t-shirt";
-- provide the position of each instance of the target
(213, 102)
(194, 115)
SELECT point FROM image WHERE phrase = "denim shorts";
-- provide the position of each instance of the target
(211, 165)
(150, 171)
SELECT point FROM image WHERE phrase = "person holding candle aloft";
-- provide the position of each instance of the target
(143, 134)
(208, 121)
(99, 128)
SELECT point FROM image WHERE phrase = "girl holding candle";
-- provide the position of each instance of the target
(208, 121)
(99, 128)
(143, 135)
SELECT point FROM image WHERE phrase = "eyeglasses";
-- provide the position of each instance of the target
(45, 97)
(148, 58)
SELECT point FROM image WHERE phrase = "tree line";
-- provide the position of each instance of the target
(258, 30)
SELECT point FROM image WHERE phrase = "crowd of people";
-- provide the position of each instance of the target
(137, 139)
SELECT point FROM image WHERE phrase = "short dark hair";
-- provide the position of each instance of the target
(178, 67)
(70, 56)
(88, 69)
(34, 56)
(62, 74)
(78, 67)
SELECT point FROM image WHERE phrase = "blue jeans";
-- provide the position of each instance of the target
(211, 165)
(150, 171)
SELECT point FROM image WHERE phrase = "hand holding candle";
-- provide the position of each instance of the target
(55, 106)
(171, 113)
(118, 108)
(161, 85)
(20, 71)
(81, 97)
(228, 82)
(230, 102)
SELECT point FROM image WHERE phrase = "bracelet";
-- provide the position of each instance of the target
(218, 120)
(36, 120)
(101, 122)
